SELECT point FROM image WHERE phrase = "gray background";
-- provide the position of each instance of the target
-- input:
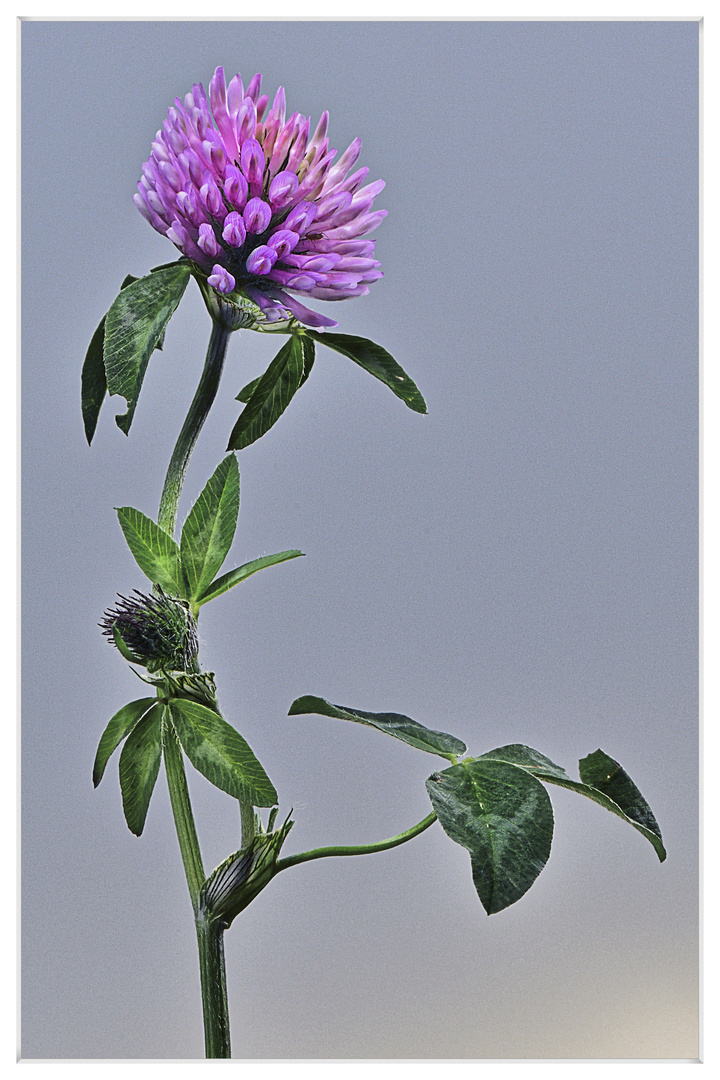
(518, 566)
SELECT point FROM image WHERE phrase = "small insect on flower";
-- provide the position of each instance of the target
(157, 631)
(258, 203)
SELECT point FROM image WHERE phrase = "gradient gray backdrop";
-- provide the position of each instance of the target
(518, 566)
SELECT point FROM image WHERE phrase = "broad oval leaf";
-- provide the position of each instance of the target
(210, 527)
(503, 816)
(271, 396)
(234, 577)
(377, 361)
(608, 779)
(133, 327)
(220, 753)
(395, 724)
(139, 765)
(154, 550)
(118, 727)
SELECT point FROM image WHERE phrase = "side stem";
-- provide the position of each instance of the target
(200, 407)
(357, 849)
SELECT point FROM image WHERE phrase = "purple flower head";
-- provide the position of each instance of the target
(263, 206)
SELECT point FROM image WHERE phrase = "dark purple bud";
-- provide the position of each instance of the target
(234, 231)
(297, 152)
(206, 240)
(257, 215)
(254, 87)
(236, 187)
(283, 241)
(301, 217)
(252, 162)
(171, 174)
(210, 196)
(246, 121)
(235, 95)
(221, 280)
(361, 225)
(301, 313)
(282, 189)
(261, 260)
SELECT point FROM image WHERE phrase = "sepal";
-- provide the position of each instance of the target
(237, 881)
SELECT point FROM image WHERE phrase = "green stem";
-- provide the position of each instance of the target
(200, 407)
(182, 813)
(359, 849)
(247, 823)
(211, 951)
(213, 983)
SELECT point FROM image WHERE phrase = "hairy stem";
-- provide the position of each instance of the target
(213, 984)
(197, 414)
(211, 950)
(357, 849)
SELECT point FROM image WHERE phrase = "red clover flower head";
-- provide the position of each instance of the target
(260, 204)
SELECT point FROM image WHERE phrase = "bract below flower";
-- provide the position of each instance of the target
(260, 204)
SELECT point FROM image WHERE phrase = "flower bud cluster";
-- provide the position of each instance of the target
(159, 631)
(259, 203)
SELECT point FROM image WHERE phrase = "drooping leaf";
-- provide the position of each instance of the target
(139, 765)
(503, 816)
(117, 728)
(234, 577)
(401, 727)
(220, 753)
(154, 550)
(603, 778)
(271, 396)
(377, 361)
(134, 325)
(93, 379)
(210, 527)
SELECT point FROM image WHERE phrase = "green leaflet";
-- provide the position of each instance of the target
(133, 327)
(220, 753)
(234, 577)
(210, 527)
(308, 347)
(154, 550)
(117, 728)
(604, 781)
(395, 724)
(377, 361)
(271, 395)
(93, 380)
(139, 765)
(504, 818)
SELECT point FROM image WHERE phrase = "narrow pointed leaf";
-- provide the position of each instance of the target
(247, 391)
(378, 362)
(609, 779)
(210, 527)
(308, 348)
(271, 396)
(234, 577)
(119, 725)
(221, 754)
(139, 765)
(395, 724)
(134, 325)
(94, 379)
(503, 816)
(154, 550)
